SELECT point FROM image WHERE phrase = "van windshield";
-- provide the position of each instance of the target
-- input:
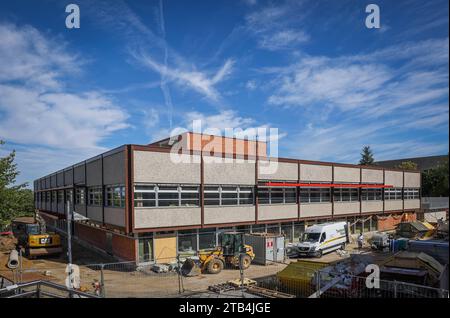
(310, 237)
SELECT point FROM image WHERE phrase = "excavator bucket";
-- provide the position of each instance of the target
(190, 268)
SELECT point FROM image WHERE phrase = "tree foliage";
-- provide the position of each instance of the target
(366, 156)
(435, 181)
(15, 200)
(407, 165)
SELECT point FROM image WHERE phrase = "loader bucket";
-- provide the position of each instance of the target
(190, 268)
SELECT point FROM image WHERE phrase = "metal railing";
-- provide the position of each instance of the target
(127, 279)
(42, 289)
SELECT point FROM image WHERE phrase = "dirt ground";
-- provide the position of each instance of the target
(121, 281)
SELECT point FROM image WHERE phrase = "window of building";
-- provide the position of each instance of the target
(261, 228)
(95, 196)
(264, 195)
(314, 195)
(393, 194)
(228, 195)
(144, 195)
(273, 229)
(411, 193)
(166, 195)
(115, 196)
(187, 241)
(287, 229)
(60, 196)
(212, 195)
(80, 196)
(277, 195)
(345, 194)
(371, 194)
(69, 196)
(245, 195)
(206, 238)
(190, 195)
(54, 196)
(299, 229)
(145, 247)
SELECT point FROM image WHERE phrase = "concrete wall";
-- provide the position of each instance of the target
(61, 208)
(81, 209)
(95, 213)
(372, 176)
(392, 205)
(235, 172)
(412, 180)
(79, 174)
(412, 204)
(114, 168)
(344, 174)
(158, 168)
(279, 211)
(170, 217)
(318, 173)
(394, 178)
(53, 183)
(68, 177)
(60, 179)
(371, 206)
(94, 172)
(231, 214)
(315, 209)
(346, 207)
(115, 216)
(285, 171)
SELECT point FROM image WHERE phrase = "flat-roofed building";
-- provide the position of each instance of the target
(149, 202)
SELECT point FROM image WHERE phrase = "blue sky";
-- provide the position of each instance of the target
(135, 70)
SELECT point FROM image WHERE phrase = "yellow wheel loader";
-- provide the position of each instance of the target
(231, 251)
(32, 236)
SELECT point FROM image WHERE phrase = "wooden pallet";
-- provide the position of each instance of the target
(221, 288)
(267, 293)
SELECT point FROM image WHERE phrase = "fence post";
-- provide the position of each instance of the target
(318, 283)
(102, 282)
(395, 289)
(179, 274)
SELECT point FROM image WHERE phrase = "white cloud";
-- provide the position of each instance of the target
(376, 83)
(26, 55)
(278, 27)
(251, 85)
(196, 80)
(284, 39)
(38, 114)
(226, 120)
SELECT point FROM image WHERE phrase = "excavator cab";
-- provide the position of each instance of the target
(231, 243)
(231, 251)
(32, 236)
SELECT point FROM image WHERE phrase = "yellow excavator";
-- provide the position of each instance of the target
(231, 251)
(32, 235)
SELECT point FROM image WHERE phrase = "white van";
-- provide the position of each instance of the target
(323, 238)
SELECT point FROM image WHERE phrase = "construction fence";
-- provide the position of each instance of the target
(126, 279)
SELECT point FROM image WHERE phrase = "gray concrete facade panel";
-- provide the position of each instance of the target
(170, 217)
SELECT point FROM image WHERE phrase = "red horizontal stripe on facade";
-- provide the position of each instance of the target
(326, 185)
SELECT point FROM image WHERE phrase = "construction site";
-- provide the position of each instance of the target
(412, 259)
(134, 222)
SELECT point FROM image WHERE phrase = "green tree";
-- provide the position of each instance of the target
(366, 156)
(435, 181)
(15, 200)
(407, 165)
